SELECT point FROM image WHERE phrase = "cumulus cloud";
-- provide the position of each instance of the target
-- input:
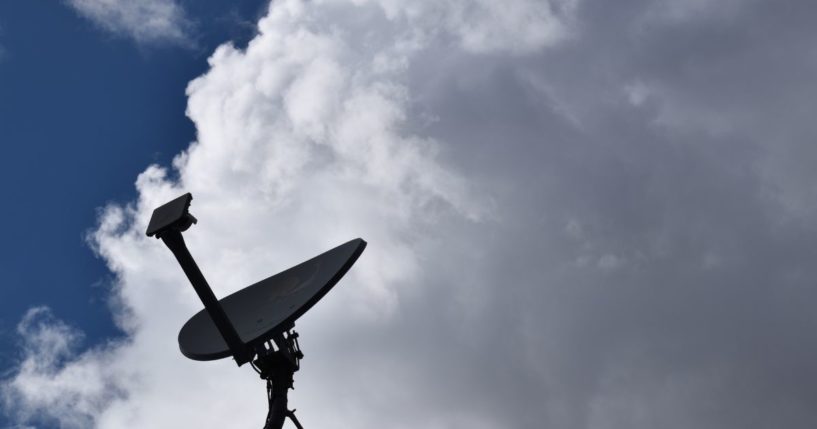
(146, 21)
(52, 384)
(610, 229)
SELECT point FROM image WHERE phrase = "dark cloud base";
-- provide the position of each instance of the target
(652, 265)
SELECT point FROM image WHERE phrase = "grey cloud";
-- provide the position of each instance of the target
(703, 320)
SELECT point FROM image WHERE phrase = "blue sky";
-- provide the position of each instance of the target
(82, 112)
(581, 214)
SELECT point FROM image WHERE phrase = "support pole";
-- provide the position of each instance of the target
(175, 242)
(277, 406)
(278, 368)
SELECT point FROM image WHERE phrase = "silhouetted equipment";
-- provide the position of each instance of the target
(256, 323)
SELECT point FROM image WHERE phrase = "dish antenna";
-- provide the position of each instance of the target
(254, 325)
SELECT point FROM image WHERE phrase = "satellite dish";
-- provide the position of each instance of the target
(255, 324)
(270, 306)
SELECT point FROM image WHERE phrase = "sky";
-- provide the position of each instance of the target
(581, 214)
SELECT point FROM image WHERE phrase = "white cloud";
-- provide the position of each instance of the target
(146, 21)
(52, 383)
(301, 146)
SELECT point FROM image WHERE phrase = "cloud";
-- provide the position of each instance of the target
(482, 26)
(609, 230)
(517, 26)
(311, 150)
(73, 389)
(146, 21)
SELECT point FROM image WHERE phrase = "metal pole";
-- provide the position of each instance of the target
(278, 367)
(175, 242)
(277, 410)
